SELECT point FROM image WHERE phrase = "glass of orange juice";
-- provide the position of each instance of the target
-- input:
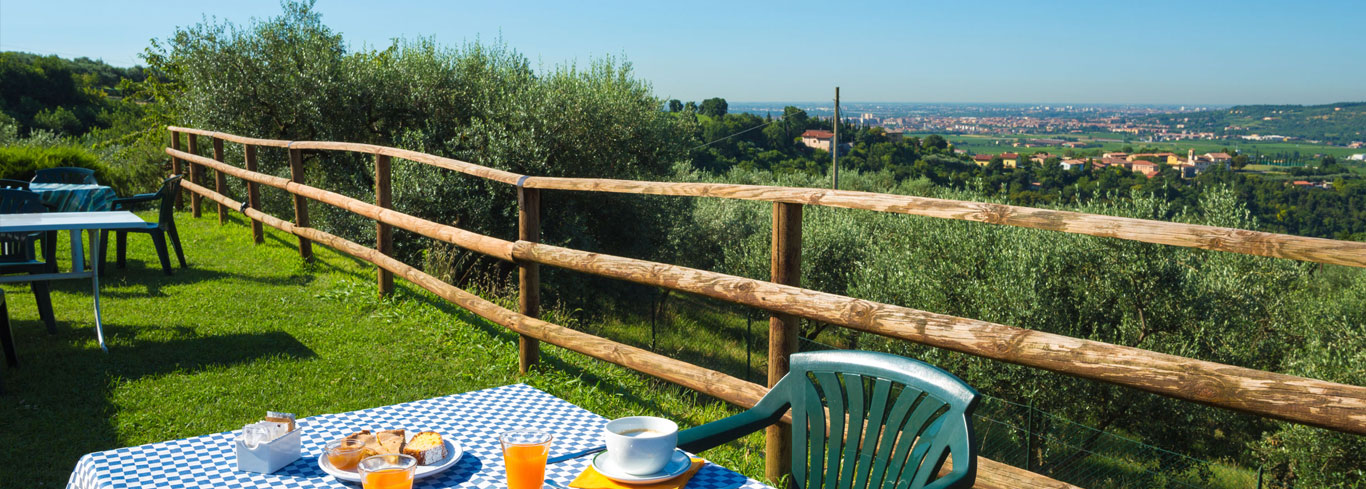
(344, 453)
(392, 471)
(524, 453)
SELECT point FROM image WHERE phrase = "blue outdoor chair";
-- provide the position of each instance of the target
(18, 253)
(65, 174)
(159, 231)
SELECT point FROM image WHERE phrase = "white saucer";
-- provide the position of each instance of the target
(678, 464)
(453, 453)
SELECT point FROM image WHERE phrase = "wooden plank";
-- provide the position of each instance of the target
(785, 259)
(1313, 402)
(437, 161)
(384, 233)
(490, 246)
(296, 175)
(1160, 232)
(258, 235)
(219, 183)
(990, 474)
(176, 170)
(276, 143)
(194, 174)
(528, 274)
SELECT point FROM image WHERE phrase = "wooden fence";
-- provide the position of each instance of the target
(1313, 402)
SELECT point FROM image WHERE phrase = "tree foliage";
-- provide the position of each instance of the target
(291, 77)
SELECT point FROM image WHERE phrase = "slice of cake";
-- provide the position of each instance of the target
(390, 441)
(426, 447)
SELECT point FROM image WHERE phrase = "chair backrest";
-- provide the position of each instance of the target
(13, 184)
(64, 174)
(892, 422)
(18, 246)
(166, 209)
(14, 201)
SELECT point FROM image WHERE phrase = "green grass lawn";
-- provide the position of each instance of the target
(252, 327)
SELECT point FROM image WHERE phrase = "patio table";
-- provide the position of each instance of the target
(473, 418)
(74, 222)
(75, 197)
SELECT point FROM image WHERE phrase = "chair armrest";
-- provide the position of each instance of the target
(139, 198)
(768, 411)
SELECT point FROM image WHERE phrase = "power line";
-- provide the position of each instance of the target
(760, 126)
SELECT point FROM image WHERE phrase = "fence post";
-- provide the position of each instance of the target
(296, 175)
(220, 182)
(384, 233)
(783, 329)
(176, 170)
(258, 235)
(194, 174)
(528, 274)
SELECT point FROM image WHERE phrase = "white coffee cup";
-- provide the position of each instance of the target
(640, 445)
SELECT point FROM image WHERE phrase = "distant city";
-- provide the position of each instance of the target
(1137, 121)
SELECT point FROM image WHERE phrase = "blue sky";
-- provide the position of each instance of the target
(1099, 51)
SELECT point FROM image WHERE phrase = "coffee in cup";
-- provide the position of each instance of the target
(640, 445)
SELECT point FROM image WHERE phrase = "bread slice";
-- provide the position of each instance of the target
(426, 447)
(371, 444)
(390, 441)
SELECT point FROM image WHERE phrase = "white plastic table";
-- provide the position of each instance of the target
(75, 197)
(74, 222)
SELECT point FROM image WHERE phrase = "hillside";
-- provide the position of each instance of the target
(1339, 123)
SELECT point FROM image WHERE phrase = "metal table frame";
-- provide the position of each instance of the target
(76, 222)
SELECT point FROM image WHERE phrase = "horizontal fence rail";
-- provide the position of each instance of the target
(1335, 406)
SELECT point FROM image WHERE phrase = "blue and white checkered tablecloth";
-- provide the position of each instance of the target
(473, 418)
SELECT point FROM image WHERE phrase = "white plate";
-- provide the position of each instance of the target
(453, 454)
(677, 465)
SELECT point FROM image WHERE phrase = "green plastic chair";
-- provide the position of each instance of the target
(159, 231)
(65, 174)
(6, 339)
(18, 253)
(893, 422)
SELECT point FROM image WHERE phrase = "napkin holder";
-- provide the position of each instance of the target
(269, 457)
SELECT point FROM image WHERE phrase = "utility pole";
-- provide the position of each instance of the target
(835, 146)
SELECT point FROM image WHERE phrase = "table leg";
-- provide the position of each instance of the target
(95, 284)
(77, 251)
(6, 339)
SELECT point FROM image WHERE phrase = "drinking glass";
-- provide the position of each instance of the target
(524, 453)
(387, 471)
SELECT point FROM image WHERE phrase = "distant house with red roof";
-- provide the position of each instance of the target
(1147, 168)
(818, 139)
(1007, 159)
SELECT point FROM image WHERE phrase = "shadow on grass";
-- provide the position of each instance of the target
(140, 274)
(547, 360)
(62, 370)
